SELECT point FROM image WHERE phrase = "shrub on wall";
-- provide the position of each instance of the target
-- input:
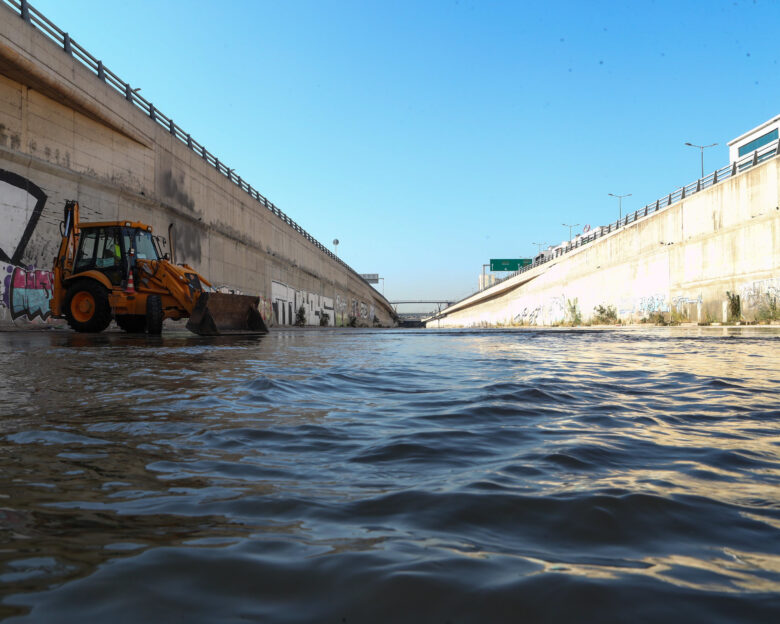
(605, 315)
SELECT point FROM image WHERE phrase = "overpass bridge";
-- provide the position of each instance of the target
(414, 319)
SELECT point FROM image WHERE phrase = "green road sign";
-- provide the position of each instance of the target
(511, 264)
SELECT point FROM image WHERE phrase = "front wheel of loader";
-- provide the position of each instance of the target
(131, 323)
(86, 307)
(154, 315)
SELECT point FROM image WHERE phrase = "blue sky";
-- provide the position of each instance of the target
(429, 137)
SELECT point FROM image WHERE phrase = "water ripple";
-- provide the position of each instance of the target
(387, 476)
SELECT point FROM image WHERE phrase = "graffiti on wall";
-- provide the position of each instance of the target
(25, 290)
(286, 301)
(21, 204)
(550, 311)
(679, 302)
(653, 303)
(755, 294)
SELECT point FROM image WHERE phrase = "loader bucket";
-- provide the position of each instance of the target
(221, 313)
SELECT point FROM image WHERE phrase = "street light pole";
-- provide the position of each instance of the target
(620, 203)
(539, 247)
(483, 275)
(383, 285)
(701, 150)
(574, 225)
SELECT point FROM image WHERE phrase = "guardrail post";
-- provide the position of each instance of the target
(25, 10)
(204, 152)
(101, 71)
(734, 168)
(189, 141)
(698, 185)
(657, 205)
(715, 178)
(171, 127)
(645, 210)
(128, 92)
(755, 158)
(669, 200)
(66, 43)
(152, 113)
(682, 193)
(216, 163)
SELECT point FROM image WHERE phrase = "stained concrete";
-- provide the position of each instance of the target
(68, 133)
(685, 263)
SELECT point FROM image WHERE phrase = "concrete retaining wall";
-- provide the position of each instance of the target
(686, 263)
(64, 134)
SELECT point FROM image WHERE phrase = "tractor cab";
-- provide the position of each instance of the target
(113, 249)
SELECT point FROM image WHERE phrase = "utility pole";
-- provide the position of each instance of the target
(620, 203)
(574, 225)
(701, 150)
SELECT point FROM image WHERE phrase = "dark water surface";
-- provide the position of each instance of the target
(391, 476)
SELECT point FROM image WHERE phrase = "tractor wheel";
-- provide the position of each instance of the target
(86, 306)
(154, 315)
(131, 323)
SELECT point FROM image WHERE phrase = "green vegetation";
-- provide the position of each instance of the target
(768, 310)
(573, 312)
(352, 321)
(656, 318)
(300, 317)
(735, 307)
(605, 315)
(324, 319)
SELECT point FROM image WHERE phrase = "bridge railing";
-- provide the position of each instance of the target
(728, 171)
(39, 21)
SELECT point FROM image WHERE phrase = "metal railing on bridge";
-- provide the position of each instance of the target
(35, 18)
(729, 171)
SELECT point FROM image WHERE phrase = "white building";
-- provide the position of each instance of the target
(754, 139)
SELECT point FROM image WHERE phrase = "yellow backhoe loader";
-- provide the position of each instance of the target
(116, 270)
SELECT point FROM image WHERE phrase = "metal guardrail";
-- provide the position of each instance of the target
(36, 19)
(729, 171)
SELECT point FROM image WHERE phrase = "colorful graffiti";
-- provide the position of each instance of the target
(26, 292)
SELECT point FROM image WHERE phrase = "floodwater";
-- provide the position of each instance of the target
(363, 476)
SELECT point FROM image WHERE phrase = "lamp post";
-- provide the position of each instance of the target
(620, 203)
(336, 247)
(701, 151)
(539, 247)
(574, 225)
(383, 285)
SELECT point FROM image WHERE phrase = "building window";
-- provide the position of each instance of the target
(759, 142)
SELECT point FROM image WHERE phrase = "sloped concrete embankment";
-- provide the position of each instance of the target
(711, 257)
(67, 134)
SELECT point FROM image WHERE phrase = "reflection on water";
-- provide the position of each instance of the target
(309, 476)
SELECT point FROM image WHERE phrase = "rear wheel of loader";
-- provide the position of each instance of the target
(154, 315)
(86, 306)
(131, 323)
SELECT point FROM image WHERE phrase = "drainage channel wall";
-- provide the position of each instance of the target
(711, 257)
(65, 134)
